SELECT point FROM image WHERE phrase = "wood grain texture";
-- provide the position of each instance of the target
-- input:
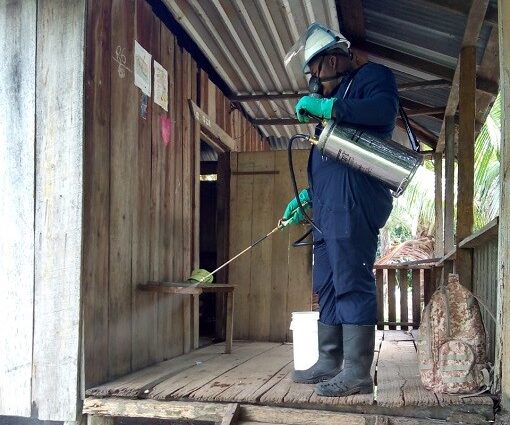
(466, 157)
(96, 196)
(144, 306)
(124, 136)
(17, 174)
(267, 291)
(58, 208)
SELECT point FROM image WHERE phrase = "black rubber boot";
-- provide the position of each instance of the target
(330, 356)
(355, 377)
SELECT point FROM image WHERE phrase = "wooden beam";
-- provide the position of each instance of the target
(213, 412)
(17, 174)
(466, 156)
(462, 7)
(471, 33)
(502, 373)
(427, 110)
(482, 84)
(438, 206)
(421, 85)
(207, 125)
(487, 233)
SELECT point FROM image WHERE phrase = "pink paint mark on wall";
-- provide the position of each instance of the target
(166, 129)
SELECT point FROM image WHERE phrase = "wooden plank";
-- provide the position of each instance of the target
(256, 396)
(169, 320)
(157, 262)
(392, 316)
(195, 207)
(178, 239)
(241, 216)
(222, 230)
(379, 281)
(195, 306)
(188, 147)
(280, 253)
(58, 208)
(223, 140)
(397, 335)
(96, 197)
(188, 321)
(176, 410)
(232, 413)
(124, 133)
(135, 384)
(404, 308)
(239, 383)
(398, 379)
(503, 329)
(487, 233)
(299, 289)
(229, 326)
(214, 412)
(144, 306)
(18, 21)
(190, 383)
(428, 286)
(416, 295)
(288, 416)
(261, 256)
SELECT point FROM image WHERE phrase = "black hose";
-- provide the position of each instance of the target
(299, 242)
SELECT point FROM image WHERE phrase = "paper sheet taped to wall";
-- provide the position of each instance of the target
(160, 86)
(142, 69)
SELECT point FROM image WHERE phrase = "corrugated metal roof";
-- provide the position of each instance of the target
(246, 41)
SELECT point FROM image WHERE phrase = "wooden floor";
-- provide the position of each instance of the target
(260, 373)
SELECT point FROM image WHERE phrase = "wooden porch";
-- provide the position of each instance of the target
(260, 374)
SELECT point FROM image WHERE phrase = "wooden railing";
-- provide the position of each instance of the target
(402, 291)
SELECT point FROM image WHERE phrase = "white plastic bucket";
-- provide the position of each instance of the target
(305, 338)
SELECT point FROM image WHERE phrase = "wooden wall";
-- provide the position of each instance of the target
(231, 119)
(41, 145)
(485, 286)
(141, 200)
(273, 279)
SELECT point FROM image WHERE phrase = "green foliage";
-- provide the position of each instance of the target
(413, 213)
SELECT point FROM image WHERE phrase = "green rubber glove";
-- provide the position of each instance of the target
(293, 214)
(319, 107)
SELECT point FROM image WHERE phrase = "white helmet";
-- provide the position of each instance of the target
(317, 39)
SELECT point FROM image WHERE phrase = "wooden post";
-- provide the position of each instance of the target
(17, 174)
(503, 329)
(230, 322)
(465, 154)
(438, 204)
(449, 193)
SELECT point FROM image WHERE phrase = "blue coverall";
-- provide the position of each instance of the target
(349, 206)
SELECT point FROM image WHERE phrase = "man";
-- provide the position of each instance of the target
(349, 208)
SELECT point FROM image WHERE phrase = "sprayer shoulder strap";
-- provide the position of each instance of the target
(410, 133)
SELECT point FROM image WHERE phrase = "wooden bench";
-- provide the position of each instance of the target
(195, 291)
